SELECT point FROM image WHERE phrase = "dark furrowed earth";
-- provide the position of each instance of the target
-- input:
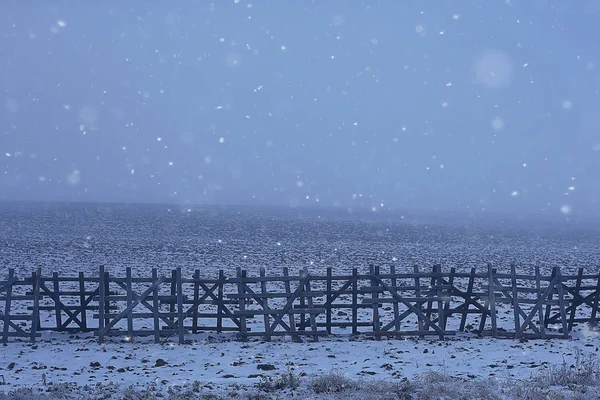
(80, 237)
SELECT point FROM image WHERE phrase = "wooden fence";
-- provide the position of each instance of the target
(380, 303)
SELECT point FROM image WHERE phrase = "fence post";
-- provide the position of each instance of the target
(82, 301)
(429, 308)
(180, 316)
(101, 303)
(307, 288)
(56, 288)
(549, 306)
(538, 287)
(196, 305)
(291, 317)
(220, 300)
(328, 298)
(492, 297)
(447, 311)
(515, 295)
(129, 295)
(593, 320)
(374, 271)
(7, 303)
(355, 301)
(395, 305)
(242, 303)
(440, 303)
(173, 293)
(418, 306)
(575, 303)
(36, 303)
(155, 307)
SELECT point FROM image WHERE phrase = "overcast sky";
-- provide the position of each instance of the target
(457, 105)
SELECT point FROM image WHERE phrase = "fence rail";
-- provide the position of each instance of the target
(381, 303)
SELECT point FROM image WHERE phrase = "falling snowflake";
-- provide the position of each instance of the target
(74, 177)
(497, 124)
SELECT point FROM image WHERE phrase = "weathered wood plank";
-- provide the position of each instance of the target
(291, 317)
(418, 306)
(129, 291)
(355, 301)
(220, 304)
(265, 304)
(101, 310)
(374, 298)
(395, 306)
(35, 322)
(575, 302)
(538, 287)
(241, 275)
(515, 295)
(196, 296)
(180, 327)
(561, 304)
(82, 294)
(155, 308)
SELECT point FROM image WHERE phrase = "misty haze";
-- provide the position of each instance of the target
(479, 106)
(317, 199)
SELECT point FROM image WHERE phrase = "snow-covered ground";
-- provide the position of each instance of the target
(218, 362)
(68, 238)
(219, 365)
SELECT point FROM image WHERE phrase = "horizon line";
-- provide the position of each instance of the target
(361, 210)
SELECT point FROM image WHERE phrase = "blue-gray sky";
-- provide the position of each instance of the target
(459, 105)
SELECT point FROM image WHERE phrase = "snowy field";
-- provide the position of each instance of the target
(220, 365)
(69, 238)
